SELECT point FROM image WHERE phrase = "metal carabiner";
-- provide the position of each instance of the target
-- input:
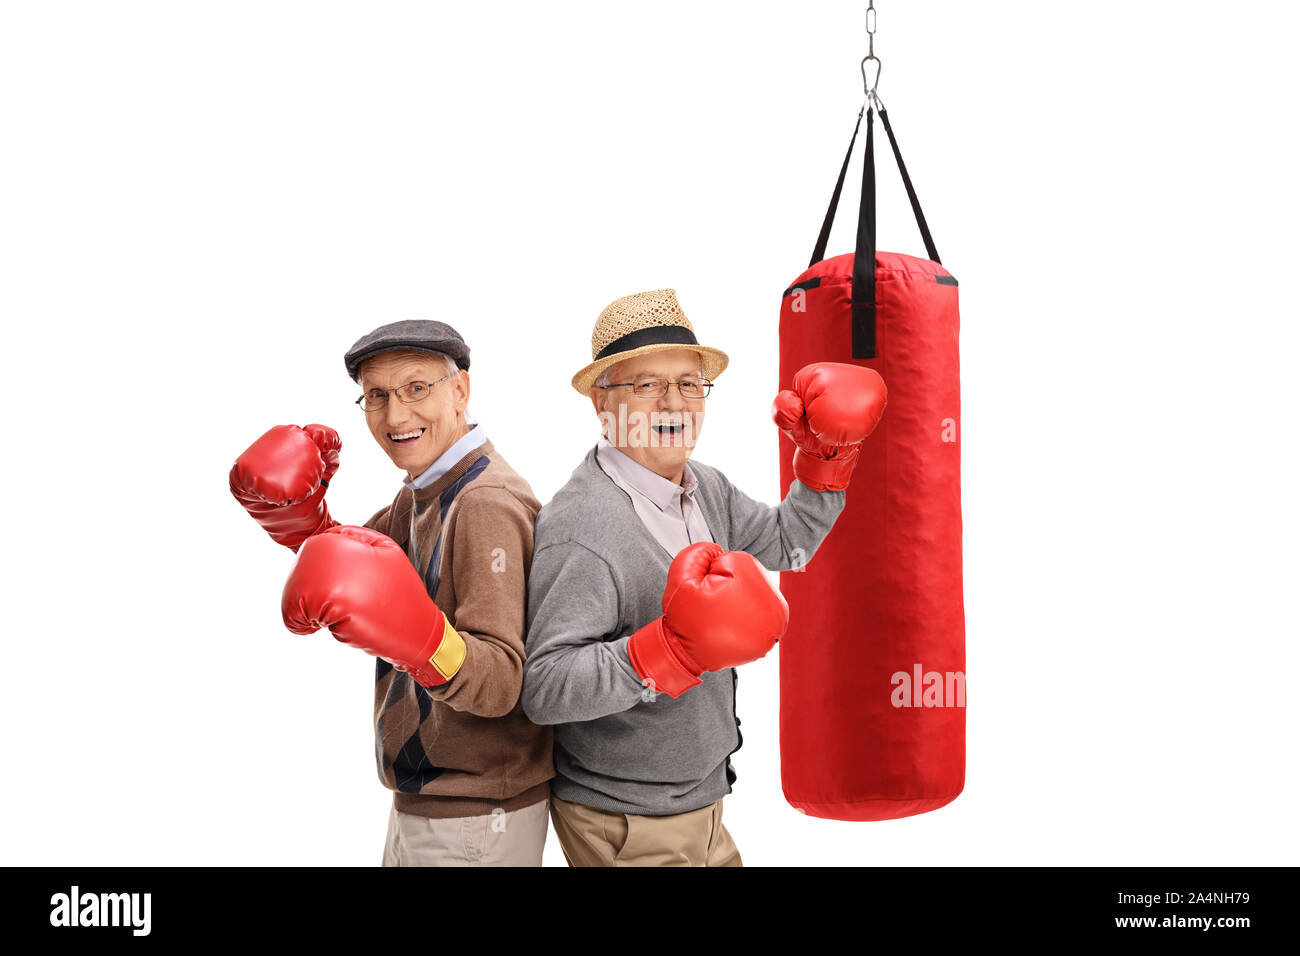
(870, 91)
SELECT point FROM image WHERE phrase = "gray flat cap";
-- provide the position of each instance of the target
(420, 335)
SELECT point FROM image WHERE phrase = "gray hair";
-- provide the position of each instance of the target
(604, 377)
(449, 366)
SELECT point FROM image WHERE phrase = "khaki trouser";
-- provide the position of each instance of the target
(494, 839)
(591, 837)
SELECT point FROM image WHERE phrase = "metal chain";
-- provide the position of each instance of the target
(870, 91)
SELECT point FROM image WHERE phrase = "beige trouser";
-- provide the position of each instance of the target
(591, 837)
(494, 839)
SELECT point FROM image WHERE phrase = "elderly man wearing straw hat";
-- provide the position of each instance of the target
(433, 585)
(646, 590)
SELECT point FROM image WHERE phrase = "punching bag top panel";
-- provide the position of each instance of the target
(888, 265)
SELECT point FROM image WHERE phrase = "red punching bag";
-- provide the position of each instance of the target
(873, 708)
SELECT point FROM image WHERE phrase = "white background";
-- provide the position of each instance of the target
(204, 205)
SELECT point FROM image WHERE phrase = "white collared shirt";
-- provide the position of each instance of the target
(669, 511)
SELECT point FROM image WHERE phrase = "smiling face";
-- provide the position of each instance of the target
(424, 429)
(659, 433)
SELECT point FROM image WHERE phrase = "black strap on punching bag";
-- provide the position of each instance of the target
(819, 251)
(864, 257)
(864, 254)
(911, 193)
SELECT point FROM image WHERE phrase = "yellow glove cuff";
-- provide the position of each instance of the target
(446, 660)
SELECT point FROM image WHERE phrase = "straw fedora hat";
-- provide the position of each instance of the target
(641, 323)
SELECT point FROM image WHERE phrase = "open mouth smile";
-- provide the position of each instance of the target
(669, 431)
(406, 437)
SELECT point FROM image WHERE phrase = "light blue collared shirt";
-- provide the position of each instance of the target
(467, 443)
(471, 440)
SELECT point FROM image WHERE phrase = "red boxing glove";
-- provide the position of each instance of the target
(362, 586)
(281, 480)
(834, 406)
(719, 612)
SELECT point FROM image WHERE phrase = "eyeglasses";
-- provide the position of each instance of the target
(658, 387)
(410, 393)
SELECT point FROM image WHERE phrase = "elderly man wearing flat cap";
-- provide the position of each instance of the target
(646, 590)
(434, 586)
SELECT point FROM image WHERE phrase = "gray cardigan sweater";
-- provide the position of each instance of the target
(597, 576)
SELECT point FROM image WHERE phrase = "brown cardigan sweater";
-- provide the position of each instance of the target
(465, 748)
